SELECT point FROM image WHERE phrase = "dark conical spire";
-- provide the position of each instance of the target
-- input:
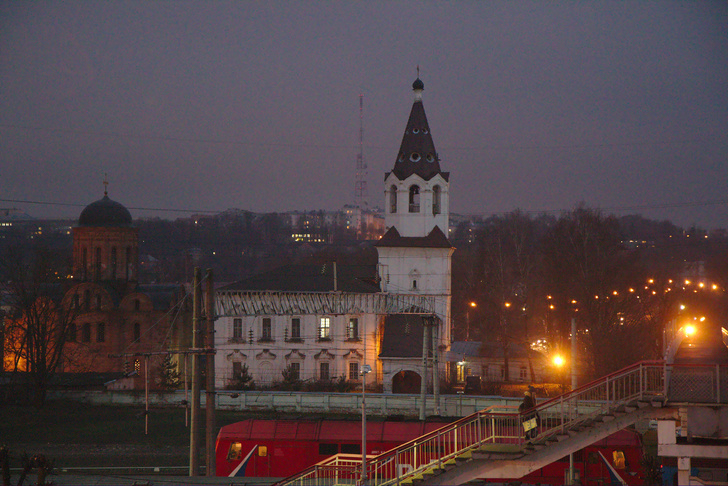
(417, 154)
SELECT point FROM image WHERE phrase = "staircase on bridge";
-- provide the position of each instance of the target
(491, 443)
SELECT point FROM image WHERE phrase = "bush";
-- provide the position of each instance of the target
(244, 381)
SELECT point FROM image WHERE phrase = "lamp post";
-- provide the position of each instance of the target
(467, 320)
(365, 370)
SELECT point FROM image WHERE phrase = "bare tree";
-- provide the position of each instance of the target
(508, 263)
(589, 271)
(39, 320)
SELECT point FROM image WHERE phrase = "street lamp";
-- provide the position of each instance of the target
(467, 320)
(365, 370)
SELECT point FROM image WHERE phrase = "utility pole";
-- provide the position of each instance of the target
(210, 375)
(425, 353)
(195, 412)
(573, 387)
(435, 331)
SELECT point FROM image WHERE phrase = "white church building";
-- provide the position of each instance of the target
(323, 322)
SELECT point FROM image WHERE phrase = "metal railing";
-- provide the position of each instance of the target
(500, 429)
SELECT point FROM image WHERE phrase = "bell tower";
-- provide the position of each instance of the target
(416, 191)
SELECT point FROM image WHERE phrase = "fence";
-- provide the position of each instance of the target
(499, 429)
(378, 404)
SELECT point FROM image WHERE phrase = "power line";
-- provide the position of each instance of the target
(676, 205)
(213, 141)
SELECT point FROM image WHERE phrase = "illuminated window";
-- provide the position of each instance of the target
(137, 365)
(235, 453)
(352, 329)
(325, 328)
(354, 371)
(619, 462)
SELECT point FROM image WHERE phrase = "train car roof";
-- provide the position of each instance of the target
(325, 430)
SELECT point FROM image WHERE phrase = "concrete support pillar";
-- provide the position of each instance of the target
(683, 470)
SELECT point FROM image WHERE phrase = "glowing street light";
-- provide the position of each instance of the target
(365, 370)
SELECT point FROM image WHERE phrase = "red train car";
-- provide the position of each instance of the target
(281, 448)
(613, 460)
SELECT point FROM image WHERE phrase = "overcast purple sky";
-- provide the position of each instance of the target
(255, 105)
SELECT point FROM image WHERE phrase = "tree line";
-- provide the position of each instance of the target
(622, 280)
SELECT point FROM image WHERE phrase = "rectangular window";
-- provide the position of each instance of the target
(352, 329)
(71, 334)
(86, 333)
(324, 371)
(523, 373)
(235, 452)
(237, 369)
(328, 449)
(325, 328)
(353, 371)
(295, 328)
(351, 448)
(295, 370)
(237, 329)
(267, 330)
(100, 332)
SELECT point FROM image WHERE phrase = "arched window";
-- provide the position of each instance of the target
(436, 197)
(414, 199)
(127, 262)
(393, 199)
(97, 274)
(113, 262)
(84, 270)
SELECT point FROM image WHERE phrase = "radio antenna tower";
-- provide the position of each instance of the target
(360, 186)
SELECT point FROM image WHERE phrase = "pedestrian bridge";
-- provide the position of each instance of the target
(491, 444)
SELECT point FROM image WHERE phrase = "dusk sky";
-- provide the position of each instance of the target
(210, 105)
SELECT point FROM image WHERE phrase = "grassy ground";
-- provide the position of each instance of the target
(75, 435)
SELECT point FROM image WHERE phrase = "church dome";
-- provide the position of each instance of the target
(418, 84)
(105, 212)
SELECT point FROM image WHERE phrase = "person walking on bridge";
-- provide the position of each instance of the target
(529, 418)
